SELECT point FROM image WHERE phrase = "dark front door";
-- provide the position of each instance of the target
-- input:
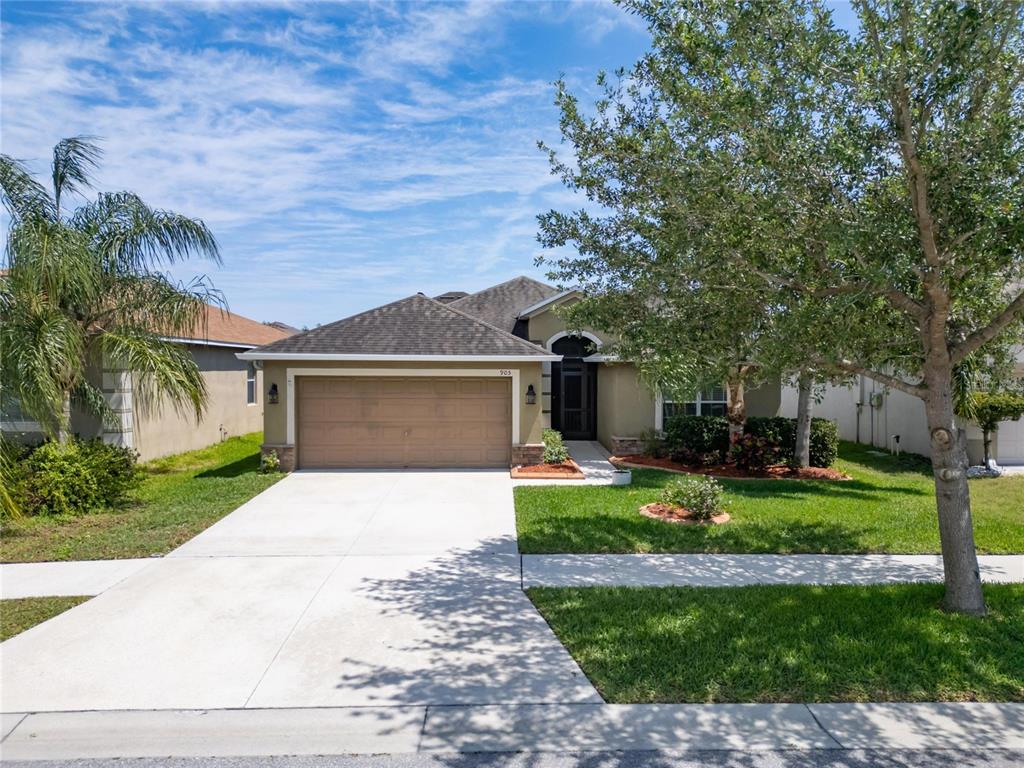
(574, 399)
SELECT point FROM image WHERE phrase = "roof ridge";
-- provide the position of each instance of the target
(502, 331)
(504, 282)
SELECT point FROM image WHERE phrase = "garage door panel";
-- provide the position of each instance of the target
(396, 421)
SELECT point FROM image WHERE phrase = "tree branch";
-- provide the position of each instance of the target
(893, 382)
(984, 335)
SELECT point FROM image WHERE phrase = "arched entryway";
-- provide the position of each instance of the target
(574, 389)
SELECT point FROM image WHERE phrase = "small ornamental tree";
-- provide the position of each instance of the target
(867, 187)
(988, 409)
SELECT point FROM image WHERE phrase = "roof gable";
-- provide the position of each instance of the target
(416, 326)
(501, 304)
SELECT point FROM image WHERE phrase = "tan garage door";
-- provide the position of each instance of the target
(403, 422)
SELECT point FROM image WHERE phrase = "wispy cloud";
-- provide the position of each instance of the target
(343, 154)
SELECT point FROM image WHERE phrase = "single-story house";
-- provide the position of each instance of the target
(234, 405)
(459, 380)
(871, 413)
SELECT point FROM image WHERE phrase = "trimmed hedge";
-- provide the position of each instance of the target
(701, 439)
(706, 438)
(782, 432)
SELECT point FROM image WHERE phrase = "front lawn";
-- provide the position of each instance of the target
(888, 506)
(180, 496)
(790, 643)
(18, 615)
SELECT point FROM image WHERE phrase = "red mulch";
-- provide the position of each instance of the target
(777, 472)
(679, 515)
(566, 470)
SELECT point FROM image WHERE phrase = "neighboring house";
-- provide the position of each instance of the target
(461, 380)
(234, 387)
(870, 413)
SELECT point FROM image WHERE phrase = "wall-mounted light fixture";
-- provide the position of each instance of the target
(531, 395)
(272, 394)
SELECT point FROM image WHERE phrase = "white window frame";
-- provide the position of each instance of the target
(698, 400)
(252, 375)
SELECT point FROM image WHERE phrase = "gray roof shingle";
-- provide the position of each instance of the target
(501, 304)
(416, 325)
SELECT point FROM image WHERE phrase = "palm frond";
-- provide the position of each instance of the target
(23, 196)
(162, 371)
(73, 160)
(131, 237)
(90, 399)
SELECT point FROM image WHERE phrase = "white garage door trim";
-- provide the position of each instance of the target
(461, 373)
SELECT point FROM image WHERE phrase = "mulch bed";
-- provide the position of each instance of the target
(678, 515)
(777, 472)
(566, 470)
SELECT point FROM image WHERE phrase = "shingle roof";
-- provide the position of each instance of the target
(501, 304)
(449, 296)
(413, 326)
(220, 325)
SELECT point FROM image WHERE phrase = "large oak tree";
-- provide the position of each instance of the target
(866, 187)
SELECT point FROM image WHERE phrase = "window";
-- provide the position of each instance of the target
(709, 402)
(250, 383)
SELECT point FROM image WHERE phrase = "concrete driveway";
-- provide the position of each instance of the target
(328, 589)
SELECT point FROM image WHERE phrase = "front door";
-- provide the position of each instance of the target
(574, 399)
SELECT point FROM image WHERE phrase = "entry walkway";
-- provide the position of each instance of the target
(593, 460)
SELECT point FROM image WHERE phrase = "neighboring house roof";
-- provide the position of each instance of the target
(414, 327)
(283, 326)
(223, 327)
(500, 305)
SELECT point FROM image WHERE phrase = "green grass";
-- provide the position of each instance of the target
(180, 496)
(889, 506)
(18, 615)
(790, 643)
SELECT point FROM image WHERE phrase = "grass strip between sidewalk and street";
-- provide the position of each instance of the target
(790, 643)
(888, 507)
(180, 496)
(23, 613)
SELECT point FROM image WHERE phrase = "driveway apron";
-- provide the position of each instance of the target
(328, 589)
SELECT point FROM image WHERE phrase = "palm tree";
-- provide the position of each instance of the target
(88, 287)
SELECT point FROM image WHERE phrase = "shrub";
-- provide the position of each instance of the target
(701, 496)
(270, 462)
(781, 431)
(697, 439)
(74, 478)
(555, 451)
(653, 443)
(754, 453)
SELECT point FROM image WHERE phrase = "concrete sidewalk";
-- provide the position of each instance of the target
(69, 578)
(592, 459)
(739, 570)
(509, 728)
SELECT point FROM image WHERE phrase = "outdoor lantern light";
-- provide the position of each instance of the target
(272, 394)
(531, 395)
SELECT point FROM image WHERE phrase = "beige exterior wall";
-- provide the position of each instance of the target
(625, 406)
(275, 372)
(547, 324)
(165, 432)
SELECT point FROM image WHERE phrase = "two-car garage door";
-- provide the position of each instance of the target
(357, 421)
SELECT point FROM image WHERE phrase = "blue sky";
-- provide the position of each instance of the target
(344, 154)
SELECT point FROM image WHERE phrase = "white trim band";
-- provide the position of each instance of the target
(313, 357)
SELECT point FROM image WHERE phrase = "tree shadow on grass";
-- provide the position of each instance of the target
(243, 466)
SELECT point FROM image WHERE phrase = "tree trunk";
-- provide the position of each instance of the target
(64, 429)
(736, 410)
(952, 495)
(986, 439)
(805, 402)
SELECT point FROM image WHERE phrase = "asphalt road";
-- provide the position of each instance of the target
(718, 759)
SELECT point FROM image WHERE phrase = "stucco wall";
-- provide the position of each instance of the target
(164, 432)
(545, 325)
(625, 406)
(765, 400)
(275, 372)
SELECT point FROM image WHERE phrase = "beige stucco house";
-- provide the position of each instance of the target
(460, 380)
(234, 406)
